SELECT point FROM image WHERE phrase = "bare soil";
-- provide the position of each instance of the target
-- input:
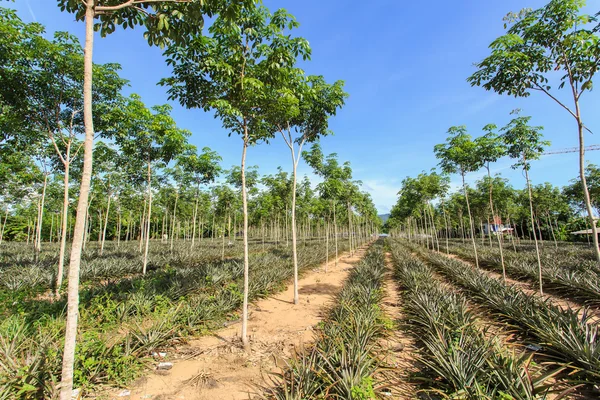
(215, 367)
(399, 348)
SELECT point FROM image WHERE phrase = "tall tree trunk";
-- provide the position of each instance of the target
(498, 234)
(119, 227)
(105, 223)
(195, 216)
(174, 218)
(245, 341)
(294, 236)
(148, 215)
(287, 236)
(63, 234)
(470, 220)
(335, 233)
(66, 384)
(586, 192)
(552, 230)
(537, 250)
(3, 224)
(51, 227)
(327, 245)
(446, 225)
(143, 223)
(213, 227)
(38, 238)
(223, 242)
(350, 229)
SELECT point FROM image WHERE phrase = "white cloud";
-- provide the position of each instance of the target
(384, 193)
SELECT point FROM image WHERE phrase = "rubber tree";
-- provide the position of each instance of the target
(108, 179)
(229, 73)
(300, 108)
(150, 139)
(549, 204)
(433, 186)
(503, 195)
(178, 177)
(204, 168)
(537, 44)
(279, 186)
(490, 148)
(165, 21)
(524, 144)
(459, 155)
(350, 196)
(334, 178)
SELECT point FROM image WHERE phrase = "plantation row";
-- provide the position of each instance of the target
(343, 361)
(23, 276)
(124, 320)
(565, 273)
(564, 334)
(462, 358)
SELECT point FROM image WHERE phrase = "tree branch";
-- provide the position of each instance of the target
(129, 3)
(540, 88)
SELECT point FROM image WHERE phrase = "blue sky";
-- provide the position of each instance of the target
(405, 66)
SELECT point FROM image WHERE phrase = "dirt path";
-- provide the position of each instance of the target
(218, 369)
(400, 347)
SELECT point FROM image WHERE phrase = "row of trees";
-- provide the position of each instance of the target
(55, 101)
(185, 204)
(556, 37)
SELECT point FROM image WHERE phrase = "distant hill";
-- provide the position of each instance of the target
(384, 217)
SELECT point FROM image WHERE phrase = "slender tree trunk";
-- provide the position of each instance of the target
(245, 341)
(3, 225)
(552, 231)
(148, 214)
(335, 233)
(223, 242)
(513, 233)
(537, 250)
(586, 192)
(446, 223)
(63, 234)
(99, 226)
(143, 223)
(539, 228)
(470, 220)
(105, 224)
(294, 237)
(66, 384)
(327, 245)
(195, 216)
(51, 227)
(498, 234)
(174, 218)
(38, 238)
(201, 228)
(433, 227)
(350, 229)
(119, 227)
